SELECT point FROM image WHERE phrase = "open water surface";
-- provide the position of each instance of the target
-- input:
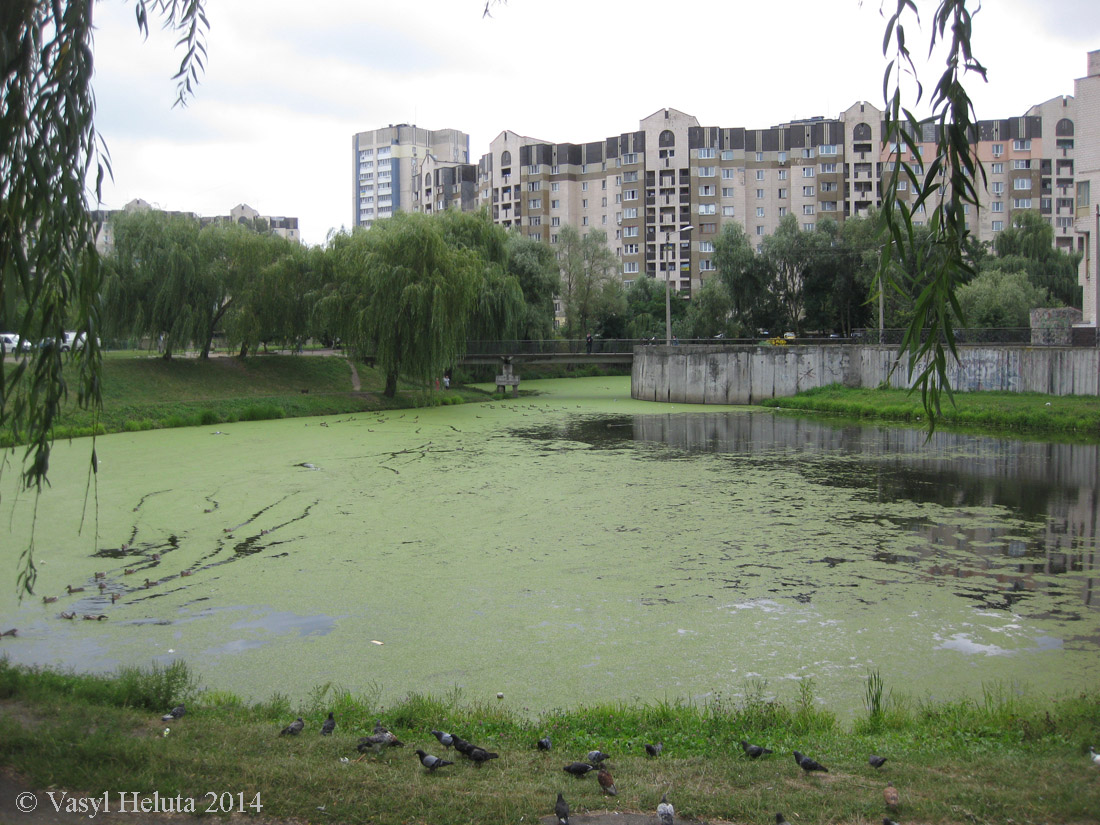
(570, 548)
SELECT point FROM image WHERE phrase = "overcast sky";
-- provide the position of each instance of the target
(288, 83)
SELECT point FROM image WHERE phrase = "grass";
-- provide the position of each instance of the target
(991, 411)
(1005, 757)
(144, 393)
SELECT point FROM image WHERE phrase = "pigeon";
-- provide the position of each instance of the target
(577, 768)
(876, 761)
(1094, 756)
(781, 820)
(754, 751)
(328, 726)
(174, 713)
(445, 739)
(888, 821)
(294, 728)
(595, 757)
(543, 744)
(561, 810)
(479, 755)
(607, 783)
(461, 745)
(808, 764)
(432, 763)
(386, 737)
(665, 811)
(890, 794)
(654, 749)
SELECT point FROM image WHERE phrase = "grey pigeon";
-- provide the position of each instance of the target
(445, 739)
(654, 749)
(876, 761)
(754, 751)
(577, 768)
(328, 726)
(294, 728)
(543, 744)
(174, 713)
(432, 763)
(461, 745)
(781, 820)
(808, 764)
(595, 757)
(480, 756)
(561, 810)
(665, 811)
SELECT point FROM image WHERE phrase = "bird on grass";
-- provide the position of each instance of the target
(329, 725)
(807, 764)
(890, 796)
(432, 763)
(561, 810)
(606, 782)
(595, 757)
(480, 756)
(665, 811)
(754, 751)
(174, 713)
(461, 745)
(781, 820)
(876, 761)
(888, 821)
(445, 739)
(1094, 756)
(577, 768)
(294, 728)
(543, 744)
(654, 749)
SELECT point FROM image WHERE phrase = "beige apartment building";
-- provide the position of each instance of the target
(389, 167)
(1087, 206)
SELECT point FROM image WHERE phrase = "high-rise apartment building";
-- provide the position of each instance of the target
(388, 169)
(1087, 193)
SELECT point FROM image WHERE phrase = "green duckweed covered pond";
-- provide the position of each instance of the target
(570, 548)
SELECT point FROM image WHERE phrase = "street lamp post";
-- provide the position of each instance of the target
(668, 288)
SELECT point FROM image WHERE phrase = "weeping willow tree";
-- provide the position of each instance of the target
(49, 149)
(422, 292)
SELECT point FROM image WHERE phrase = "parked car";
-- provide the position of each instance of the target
(12, 343)
(70, 340)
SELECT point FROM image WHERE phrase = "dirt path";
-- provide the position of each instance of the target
(355, 385)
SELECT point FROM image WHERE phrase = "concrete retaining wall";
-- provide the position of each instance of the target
(747, 375)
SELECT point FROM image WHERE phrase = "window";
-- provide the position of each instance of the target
(998, 187)
(707, 265)
(807, 171)
(727, 192)
(535, 220)
(630, 212)
(783, 211)
(727, 211)
(366, 153)
(1021, 203)
(584, 186)
(555, 169)
(998, 169)
(1021, 145)
(706, 246)
(827, 149)
(727, 154)
(533, 169)
(708, 209)
(997, 206)
(555, 221)
(630, 249)
(555, 187)
(729, 174)
(760, 194)
(628, 159)
(782, 158)
(1021, 183)
(759, 157)
(584, 167)
(630, 267)
(706, 171)
(828, 168)
(807, 209)
(706, 153)
(534, 203)
(1083, 194)
(1021, 164)
(807, 191)
(630, 177)
(630, 195)
(584, 203)
(808, 153)
(708, 228)
(759, 230)
(706, 190)
(384, 152)
(828, 187)
(630, 232)
(998, 149)
(998, 226)
(782, 174)
(807, 227)
(534, 186)
(555, 204)
(828, 206)
(584, 221)
(760, 174)
(760, 211)
(1064, 222)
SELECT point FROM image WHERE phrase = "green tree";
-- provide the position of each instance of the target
(645, 309)
(1028, 246)
(710, 312)
(995, 298)
(748, 279)
(533, 264)
(791, 253)
(587, 265)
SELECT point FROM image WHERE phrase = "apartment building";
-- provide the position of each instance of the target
(388, 170)
(1087, 192)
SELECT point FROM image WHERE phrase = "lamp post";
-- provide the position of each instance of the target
(668, 288)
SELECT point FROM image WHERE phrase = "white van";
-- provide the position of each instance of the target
(70, 340)
(11, 343)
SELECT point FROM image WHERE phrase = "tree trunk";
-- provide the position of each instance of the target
(391, 385)
(244, 352)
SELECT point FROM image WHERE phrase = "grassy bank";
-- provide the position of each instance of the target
(142, 393)
(1008, 758)
(997, 411)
